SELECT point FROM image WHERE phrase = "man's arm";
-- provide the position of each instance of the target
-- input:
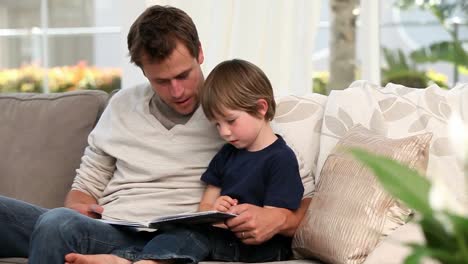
(94, 173)
(295, 218)
(83, 203)
(255, 224)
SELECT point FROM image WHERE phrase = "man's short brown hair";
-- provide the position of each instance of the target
(157, 30)
(236, 85)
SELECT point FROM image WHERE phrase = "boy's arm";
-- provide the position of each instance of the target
(212, 200)
(209, 197)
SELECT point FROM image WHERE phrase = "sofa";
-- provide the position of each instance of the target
(43, 136)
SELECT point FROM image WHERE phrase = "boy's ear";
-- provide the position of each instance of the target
(262, 107)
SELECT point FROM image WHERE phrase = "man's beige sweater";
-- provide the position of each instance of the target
(136, 168)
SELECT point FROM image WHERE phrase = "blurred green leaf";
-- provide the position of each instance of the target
(460, 223)
(416, 255)
(420, 251)
(436, 235)
(461, 230)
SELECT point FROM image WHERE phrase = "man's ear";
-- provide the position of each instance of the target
(200, 57)
(262, 107)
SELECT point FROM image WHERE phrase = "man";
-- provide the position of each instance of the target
(144, 159)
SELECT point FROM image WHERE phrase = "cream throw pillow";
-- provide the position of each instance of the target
(350, 212)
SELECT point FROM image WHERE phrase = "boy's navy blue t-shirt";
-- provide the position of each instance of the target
(269, 177)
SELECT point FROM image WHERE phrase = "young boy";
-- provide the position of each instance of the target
(255, 167)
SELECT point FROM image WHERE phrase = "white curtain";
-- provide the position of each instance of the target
(276, 35)
(369, 35)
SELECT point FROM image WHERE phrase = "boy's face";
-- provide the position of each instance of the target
(240, 129)
(177, 79)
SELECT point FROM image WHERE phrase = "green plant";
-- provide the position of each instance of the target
(319, 82)
(402, 70)
(450, 15)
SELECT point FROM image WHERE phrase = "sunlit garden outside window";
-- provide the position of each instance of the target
(59, 46)
(422, 42)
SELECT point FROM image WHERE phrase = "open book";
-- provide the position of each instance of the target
(203, 217)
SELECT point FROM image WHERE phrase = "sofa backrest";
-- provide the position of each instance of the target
(298, 120)
(396, 111)
(42, 138)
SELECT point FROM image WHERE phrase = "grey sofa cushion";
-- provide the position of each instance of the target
(42, 138)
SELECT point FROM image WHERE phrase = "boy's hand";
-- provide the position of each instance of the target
(224, 203)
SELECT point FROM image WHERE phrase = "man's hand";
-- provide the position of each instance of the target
(224, 203)
(255, 225)
(83, 204)
(91, 210)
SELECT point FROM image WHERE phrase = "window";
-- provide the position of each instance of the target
(56, 46)
(403, 31)
(407, 30)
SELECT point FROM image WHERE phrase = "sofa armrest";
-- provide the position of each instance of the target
(392, 250)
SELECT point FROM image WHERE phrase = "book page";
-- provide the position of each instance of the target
(203, 217)
(123, 223)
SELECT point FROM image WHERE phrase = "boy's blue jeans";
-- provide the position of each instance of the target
(46, 236)
(204, 242)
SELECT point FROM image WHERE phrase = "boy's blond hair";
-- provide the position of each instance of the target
(237, 85)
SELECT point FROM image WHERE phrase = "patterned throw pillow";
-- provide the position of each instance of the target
(350, 212)
(396, 111)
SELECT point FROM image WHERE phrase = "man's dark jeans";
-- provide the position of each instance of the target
(46, 236)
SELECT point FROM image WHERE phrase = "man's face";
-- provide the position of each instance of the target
(176, 79)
